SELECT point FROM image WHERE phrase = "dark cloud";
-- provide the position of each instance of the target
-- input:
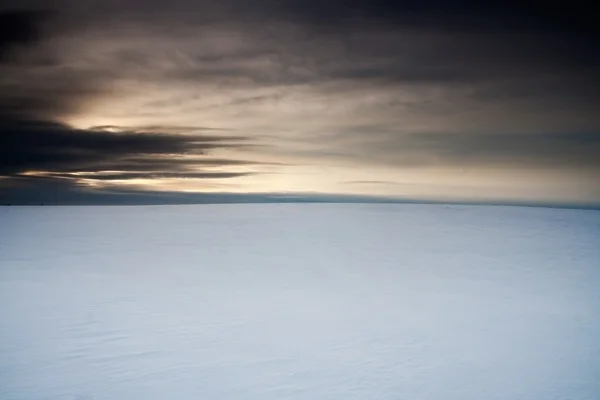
(18, 28)
(55, 147)
(463, 15)
(526, 15)
(162, 163)
(52, 191)
(526, 57)
(34, 82)
(363, 40)
(49, 191)
(36, 89)
(468, 150)
(66, 160)
(150, 175)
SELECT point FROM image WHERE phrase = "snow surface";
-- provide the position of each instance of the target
(299, 301)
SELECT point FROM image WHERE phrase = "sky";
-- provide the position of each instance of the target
(147, 101)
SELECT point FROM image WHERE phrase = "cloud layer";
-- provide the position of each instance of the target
(399, 91)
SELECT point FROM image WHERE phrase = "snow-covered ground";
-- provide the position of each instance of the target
(299, 301)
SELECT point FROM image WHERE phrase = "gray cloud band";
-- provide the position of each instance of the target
(527, 75)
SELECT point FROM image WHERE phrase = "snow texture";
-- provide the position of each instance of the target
(299, 301)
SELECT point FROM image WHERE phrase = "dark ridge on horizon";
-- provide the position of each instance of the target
(170, 199)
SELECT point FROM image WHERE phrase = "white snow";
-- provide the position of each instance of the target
(299, 301)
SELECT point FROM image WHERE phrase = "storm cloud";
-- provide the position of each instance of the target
(37, 149)
(369, 90)
(54, 147)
